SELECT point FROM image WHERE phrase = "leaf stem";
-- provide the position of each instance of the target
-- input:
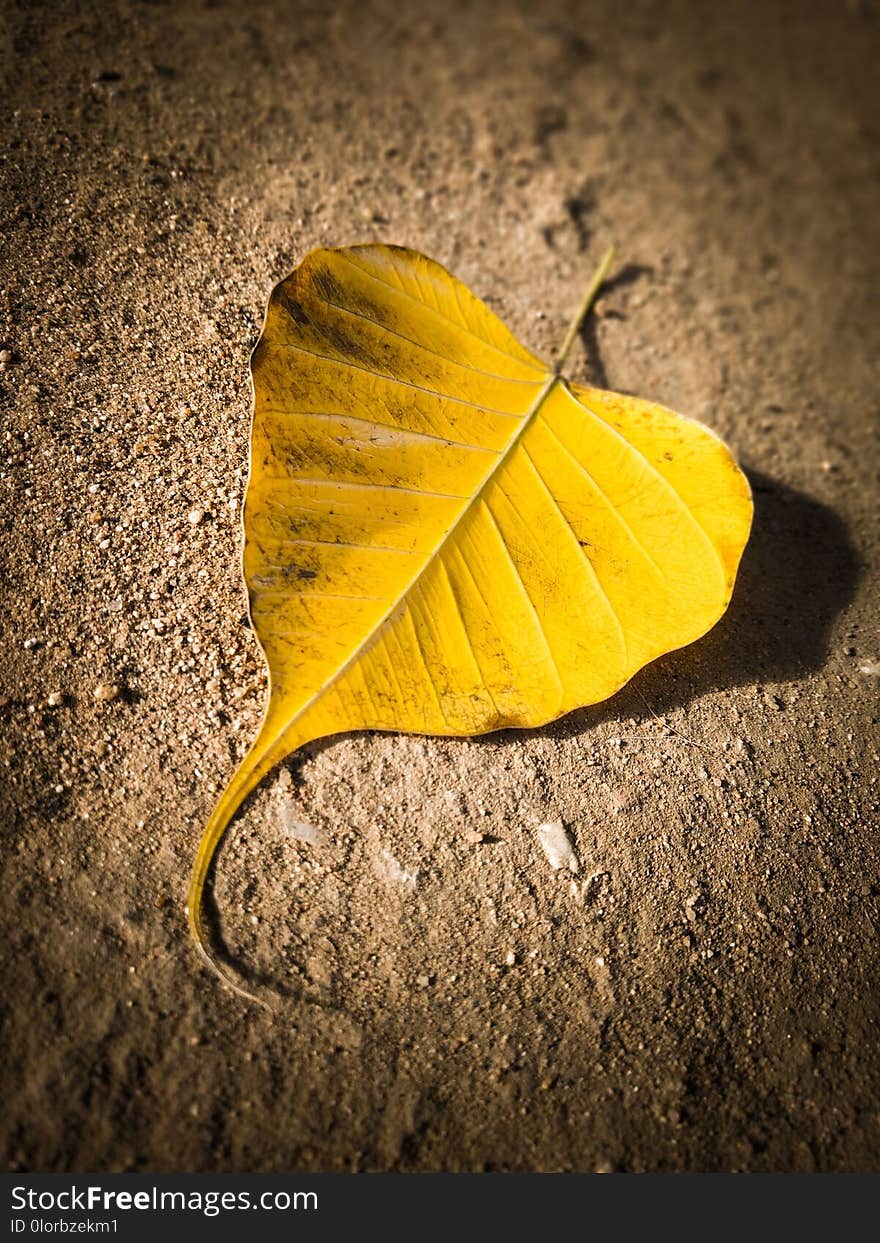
(589, 297)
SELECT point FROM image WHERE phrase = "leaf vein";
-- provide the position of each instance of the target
(382, 487)
(391, 427)
(453, 362)
(469, 332)
(338, 543)
(662, 478)
(611, 609)
(389, 379)
(614, 509)
(457, 602)
(525, 591)
(407, 612)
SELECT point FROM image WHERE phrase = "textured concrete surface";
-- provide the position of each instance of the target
(706, 997)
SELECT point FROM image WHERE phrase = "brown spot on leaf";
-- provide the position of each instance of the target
(293, 308)
(327, 285)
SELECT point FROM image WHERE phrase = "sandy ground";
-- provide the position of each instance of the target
(705, 997)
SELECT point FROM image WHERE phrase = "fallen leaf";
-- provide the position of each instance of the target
(442, 534)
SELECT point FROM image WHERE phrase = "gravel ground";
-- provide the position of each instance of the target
(704, 994)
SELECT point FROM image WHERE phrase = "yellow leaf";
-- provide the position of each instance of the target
(444, 536)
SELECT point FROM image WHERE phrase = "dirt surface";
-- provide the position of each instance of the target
(704, 995)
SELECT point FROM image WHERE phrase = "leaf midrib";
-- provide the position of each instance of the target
(527, 420)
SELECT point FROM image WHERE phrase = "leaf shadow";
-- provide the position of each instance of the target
(799, 571)
(263, 985)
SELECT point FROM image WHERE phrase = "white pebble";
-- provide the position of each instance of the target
(195, 516)
(392, 871)
(106, 692)
(557, 846)
(55, 700)
(300, 830)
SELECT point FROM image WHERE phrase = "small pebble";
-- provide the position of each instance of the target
(55, 700)
(557, 846)
(392, 871)
(300, 830)
(106, 692)
(510, 958)
(454, 801)
(196, 516)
